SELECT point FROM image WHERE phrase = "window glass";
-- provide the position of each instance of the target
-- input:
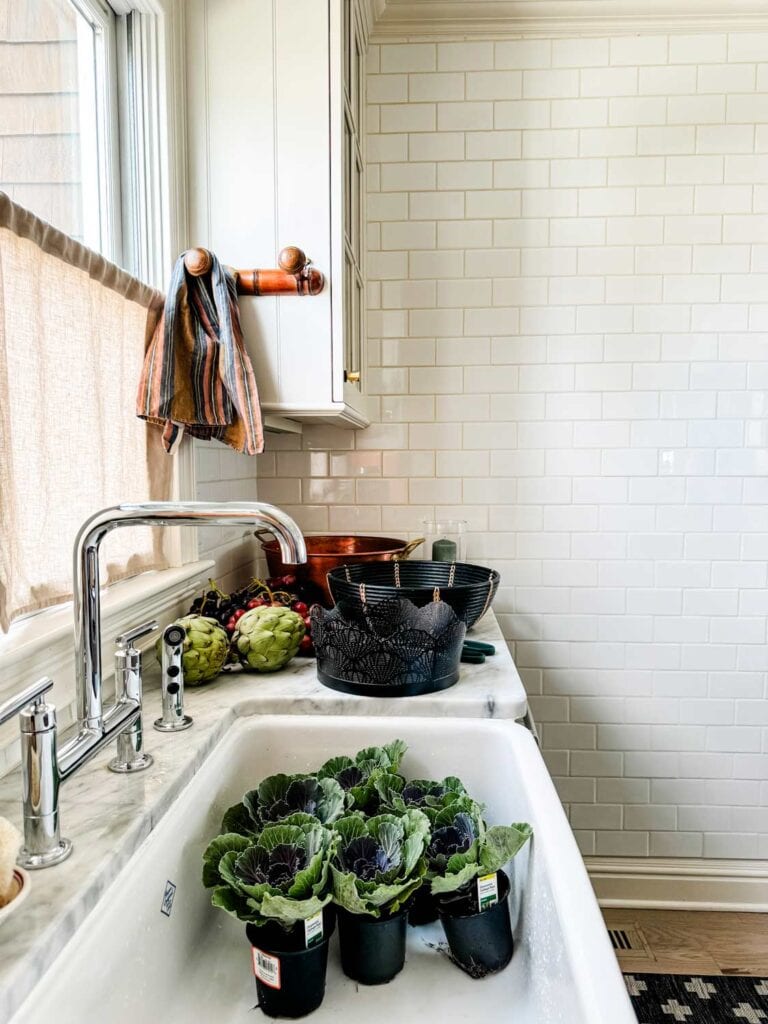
(51, 106)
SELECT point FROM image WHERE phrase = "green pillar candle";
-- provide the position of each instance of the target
(444, 550)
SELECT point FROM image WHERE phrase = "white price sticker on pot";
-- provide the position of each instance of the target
(266, 967)
(313, 930)
(487, 891)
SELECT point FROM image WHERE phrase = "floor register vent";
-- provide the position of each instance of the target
(629, 942)
(620, 939)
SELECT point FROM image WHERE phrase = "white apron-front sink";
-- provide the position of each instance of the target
(137, 958)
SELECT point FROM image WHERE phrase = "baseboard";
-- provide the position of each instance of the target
(680, 883)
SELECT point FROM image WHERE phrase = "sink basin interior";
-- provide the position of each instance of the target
(193, 963)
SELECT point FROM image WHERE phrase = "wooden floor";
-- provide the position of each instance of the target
(689, 942)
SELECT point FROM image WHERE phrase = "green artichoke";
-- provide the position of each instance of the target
(205, 648)
(267, 638)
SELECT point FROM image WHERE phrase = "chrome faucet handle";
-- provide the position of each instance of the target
(131, 756)
(40, 777)
(129, 639)
(173, 718)
(30, 695)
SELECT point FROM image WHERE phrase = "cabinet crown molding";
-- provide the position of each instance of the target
(436, 18)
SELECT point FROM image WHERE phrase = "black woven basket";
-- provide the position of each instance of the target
(388, 649)
(468, 589)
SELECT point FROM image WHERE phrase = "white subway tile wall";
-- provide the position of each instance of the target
(224, 475)
(568, 314)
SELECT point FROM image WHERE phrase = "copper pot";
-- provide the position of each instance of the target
(326, 552)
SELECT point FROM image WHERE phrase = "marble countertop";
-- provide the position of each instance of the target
(107, 816)
(491, 690)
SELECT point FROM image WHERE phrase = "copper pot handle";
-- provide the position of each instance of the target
(400, 556)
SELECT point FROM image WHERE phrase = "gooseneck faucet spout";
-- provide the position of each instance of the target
(155, 513)
(44, 765)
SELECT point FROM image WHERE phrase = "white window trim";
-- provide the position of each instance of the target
(158, 29)
(100, 156)
(93, 233)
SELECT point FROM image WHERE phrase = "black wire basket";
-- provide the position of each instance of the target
(388, 649)
(468, 589)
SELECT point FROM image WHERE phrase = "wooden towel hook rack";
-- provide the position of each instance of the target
(296, 275)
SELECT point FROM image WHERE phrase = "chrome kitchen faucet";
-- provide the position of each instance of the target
(43, 769)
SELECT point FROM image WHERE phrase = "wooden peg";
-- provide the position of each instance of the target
(295, 277)
(197, 261)
(292, 259)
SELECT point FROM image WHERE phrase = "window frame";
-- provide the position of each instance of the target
(42, 644)
(98, 72)
(150, 37)
(152, 101)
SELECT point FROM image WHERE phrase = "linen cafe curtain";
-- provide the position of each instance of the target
(73, 329)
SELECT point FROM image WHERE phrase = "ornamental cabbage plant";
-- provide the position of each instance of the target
(454, 829)
(462, 846)
(281, 796)
(279, 874)
(379, 862)
(388, 757)
(360, 776)
(398, 794)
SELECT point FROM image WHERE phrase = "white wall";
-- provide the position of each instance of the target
(569, 307)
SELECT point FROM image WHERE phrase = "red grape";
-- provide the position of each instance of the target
(300, 608)
(238, 614)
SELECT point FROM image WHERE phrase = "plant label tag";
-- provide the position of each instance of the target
(266, 967)
(313, 930)
(487, 891)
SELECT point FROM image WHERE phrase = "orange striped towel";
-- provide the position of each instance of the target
(197, 375)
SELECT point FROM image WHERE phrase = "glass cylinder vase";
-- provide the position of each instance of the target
(445, 540)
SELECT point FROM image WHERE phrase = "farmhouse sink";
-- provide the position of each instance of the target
(149, 951)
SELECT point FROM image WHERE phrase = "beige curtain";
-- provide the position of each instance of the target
(73, 329)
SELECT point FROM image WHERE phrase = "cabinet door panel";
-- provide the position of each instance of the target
(232, 152)
(303, 191)
(266, 115)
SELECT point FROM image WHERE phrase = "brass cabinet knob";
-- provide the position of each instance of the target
(352, 376)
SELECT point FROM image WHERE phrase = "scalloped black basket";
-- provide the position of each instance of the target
(388, 649)
(468, 589)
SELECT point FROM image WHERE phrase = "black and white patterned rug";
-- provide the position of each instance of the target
(696, 999)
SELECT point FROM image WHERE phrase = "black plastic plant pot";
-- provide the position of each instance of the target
(423, 909)
(480, 940)
(290, 979)
(372, 948)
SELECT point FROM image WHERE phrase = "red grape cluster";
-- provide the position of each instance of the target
(228, 609)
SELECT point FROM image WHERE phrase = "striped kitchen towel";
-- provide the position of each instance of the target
(197, 375)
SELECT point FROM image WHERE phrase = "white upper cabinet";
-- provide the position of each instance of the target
(275, 112)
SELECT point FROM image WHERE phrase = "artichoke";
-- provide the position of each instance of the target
(267, 638)
(206, 647)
